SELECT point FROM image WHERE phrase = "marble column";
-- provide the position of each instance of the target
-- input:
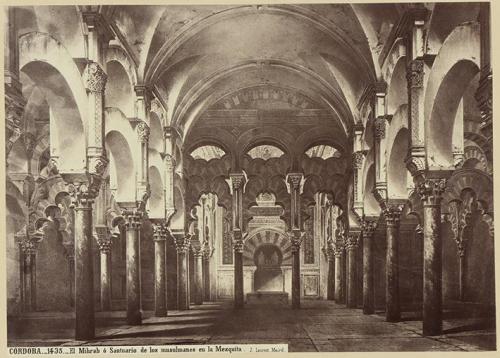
(206, 275)
(70, 255)
(198, 275)
(239, 299)
(82, 199)
(160, 240)
(368, 288)
(392, 306)
(431, 191)
(104, 244)
(352, 245)
(28, 248)
(296, 241)
(182, 245)
(132, 232)
(338, 274)
(330, 290)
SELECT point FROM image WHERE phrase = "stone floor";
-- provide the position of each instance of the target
(317, 326)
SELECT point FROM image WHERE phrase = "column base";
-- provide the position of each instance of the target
(134, 319)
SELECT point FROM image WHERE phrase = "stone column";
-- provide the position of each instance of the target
(296, 240)
(239, 299)
(182, 245)
(368, 233)
(206, 274)
(198, 275)
(83, 195)
(352, 245)
(431, 191)
(133, 219)
(237, 184)
(392, 307)
(330, 293)
(70, 254)
(28, 248)
(104, 244)
(160, 240)
(338, 273)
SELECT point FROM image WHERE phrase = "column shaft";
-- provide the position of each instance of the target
(330, 295)
(351, 272)
(182, 246)
(105, 257)
(431, 191)
(206, 279)
(84, 273)
(338, 276)
(368, 291)
(392, 308)
(198, 278)
(160, 278)
(295, 274)
(132, 248)
(238, 277)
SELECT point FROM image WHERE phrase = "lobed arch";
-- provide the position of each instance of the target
(49, 66)
(455, 66)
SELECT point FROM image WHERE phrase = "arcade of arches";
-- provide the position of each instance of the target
(160, 158)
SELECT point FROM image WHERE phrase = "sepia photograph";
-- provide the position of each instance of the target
(293, 177)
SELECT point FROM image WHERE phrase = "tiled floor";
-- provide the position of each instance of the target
(317, 326)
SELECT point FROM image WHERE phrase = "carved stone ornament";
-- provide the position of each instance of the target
(28, 246)
(98, 165)
(13, 112)
(357, 159)
(143, 132)
(415, 73)
(29, 143)
(237, 180)
(379, 128)
(415, 165)
(197, 251)
(104, 244)
(94, 77)
(431, 191)
(159, 232)
(182, 244)
(352, 241)
(368, 227)
(83, 193)
(393, 214)
(133, 219)
(294, 179)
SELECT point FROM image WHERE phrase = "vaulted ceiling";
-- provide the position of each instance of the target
(205, 57)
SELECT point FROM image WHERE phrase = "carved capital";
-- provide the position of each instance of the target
(415, 74)
(103, 239)
(368, 227)
(295, 179)
(416, 165)
(94, 77)
(83, 192)
(357, 159)
(393, 214)
(431, 191)
(352, 240)
(182, 243)
(197, 251)
(97, 165)
(132, 218)
(143, 132)
(29, 246)
(237, 180)
(159, 231)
